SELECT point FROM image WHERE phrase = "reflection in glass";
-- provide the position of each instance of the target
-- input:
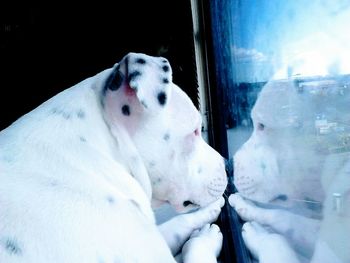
(288, 125)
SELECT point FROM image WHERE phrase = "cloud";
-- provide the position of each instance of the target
(243, 55)
(318, 54)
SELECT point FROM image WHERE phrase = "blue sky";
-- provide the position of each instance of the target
(269, 34)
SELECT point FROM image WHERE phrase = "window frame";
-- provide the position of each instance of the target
(212, 82)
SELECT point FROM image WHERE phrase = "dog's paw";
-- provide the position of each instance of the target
(267, 246)
(212, 211)
(204, 245)
(253, 235)
(178, 229)
(205, 215)
(245, 209)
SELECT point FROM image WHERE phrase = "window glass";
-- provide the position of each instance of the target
(284, 67)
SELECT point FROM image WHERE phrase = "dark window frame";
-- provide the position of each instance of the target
(211, 32)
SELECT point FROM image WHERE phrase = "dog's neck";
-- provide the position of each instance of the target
(131, 157)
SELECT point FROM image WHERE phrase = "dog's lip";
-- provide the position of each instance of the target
(179, 207)
(184, 209)
(193, 206)
(187, 209)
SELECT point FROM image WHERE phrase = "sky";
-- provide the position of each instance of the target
(271, 36)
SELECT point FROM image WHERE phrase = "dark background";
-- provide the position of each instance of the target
(49, 47)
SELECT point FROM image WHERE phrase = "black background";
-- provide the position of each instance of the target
(45, 48)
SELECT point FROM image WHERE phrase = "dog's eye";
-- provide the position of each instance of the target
(261, 126)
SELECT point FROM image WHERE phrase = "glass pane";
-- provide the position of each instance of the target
(288, 123)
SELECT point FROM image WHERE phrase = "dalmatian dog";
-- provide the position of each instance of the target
(80, 174)
(292, 174)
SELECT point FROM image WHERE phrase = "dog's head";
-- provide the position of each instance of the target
(297, 126)
(165, 128)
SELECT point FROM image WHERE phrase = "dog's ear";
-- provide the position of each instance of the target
(141, 82)
(137, 87)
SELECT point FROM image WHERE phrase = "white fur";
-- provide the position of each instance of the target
(76, 177)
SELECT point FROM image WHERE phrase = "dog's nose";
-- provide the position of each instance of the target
(187, 203)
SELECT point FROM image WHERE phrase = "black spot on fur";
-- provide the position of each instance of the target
(54, 111)
(165, 61)
(157, 181)
(165, 81)
(140, 61)
(126, 110)
(110, 199)
(152, 163)
(165, 68)
(114, 80)
(66, 115)
(53, 183)
(61, 112)
(166, 137)
(80, 114)
(12, 247)
(162, 98)
(82, 139)
(134, 75)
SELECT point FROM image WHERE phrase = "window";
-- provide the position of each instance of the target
(278, 78)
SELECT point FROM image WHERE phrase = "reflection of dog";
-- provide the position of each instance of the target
(297, 154)
(78, 172)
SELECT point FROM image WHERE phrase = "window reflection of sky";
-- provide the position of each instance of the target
(270, 35)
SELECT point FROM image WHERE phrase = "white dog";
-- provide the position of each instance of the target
(299, 164)
(77, 174)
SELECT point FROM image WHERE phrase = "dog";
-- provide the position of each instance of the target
(80, 174)
(292, 175)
